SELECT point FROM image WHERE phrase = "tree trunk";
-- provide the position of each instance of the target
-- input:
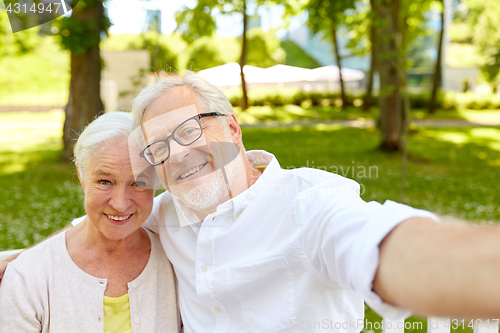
(388, 68)
(338, 59)
(367, 103)
(244, 97)
(437, 70)
(403, 77)
(84, 102)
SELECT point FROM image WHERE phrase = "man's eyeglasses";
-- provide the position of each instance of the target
(187, 133)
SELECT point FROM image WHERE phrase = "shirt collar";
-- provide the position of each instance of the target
(258, 159)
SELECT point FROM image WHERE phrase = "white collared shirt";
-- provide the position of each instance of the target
(297, 250)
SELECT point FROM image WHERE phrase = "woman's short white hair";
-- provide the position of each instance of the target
(210, 97)
(104, 130)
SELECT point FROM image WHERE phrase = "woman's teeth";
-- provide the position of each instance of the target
(119, 218)
(190, 172)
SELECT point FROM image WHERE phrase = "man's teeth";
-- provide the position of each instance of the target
(119, 218)
(190, 172)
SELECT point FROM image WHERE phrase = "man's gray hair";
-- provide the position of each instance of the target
(210, 97)
(103, 131)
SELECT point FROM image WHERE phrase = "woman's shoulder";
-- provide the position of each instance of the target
(40, 256)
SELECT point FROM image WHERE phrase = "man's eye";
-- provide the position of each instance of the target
(159, 149)
(190, 131)
(104, 182)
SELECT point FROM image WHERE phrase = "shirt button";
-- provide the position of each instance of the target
(136, 320)
(101, 282)
(217, 309)
(133, 285)
(204, 268)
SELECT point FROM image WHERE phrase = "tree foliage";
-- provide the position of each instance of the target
(205, 53)
(484, 19)
(264, 49)
(165, 50)
(197, 22)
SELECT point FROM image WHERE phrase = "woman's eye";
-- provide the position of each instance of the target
(140, 184)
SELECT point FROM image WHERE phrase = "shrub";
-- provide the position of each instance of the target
(283, 96)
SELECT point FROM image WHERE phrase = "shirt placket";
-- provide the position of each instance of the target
(205, 265)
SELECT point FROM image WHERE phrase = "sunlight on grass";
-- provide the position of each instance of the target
(486, 133)
(23, 135)
(457, 138)
(325, 127)
(483, 116)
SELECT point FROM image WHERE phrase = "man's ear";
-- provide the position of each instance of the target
(234, 128)
(79, 176)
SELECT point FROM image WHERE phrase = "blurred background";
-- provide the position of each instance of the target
(400, 95)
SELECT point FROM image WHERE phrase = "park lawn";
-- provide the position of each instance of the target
(451, 171)
(293, 113)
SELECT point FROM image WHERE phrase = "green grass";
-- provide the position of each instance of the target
(293, 113)
(36, 78)
(451, 171)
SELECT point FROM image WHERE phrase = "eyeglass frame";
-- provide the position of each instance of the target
(167, 139)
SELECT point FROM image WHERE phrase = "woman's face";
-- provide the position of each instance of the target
(116, 203)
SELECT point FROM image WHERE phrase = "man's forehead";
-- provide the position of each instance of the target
(174, 99)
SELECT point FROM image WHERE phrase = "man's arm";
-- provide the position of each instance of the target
(4, 263)
(441, 269)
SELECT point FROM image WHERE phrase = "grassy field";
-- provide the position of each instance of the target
(294, 113)
(451, 171)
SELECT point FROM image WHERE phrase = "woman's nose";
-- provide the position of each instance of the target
(120, 200)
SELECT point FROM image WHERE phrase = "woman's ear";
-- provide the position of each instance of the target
(79, 176)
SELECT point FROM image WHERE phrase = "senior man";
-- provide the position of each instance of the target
(280, 250)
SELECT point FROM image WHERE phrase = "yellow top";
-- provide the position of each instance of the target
(117, 315)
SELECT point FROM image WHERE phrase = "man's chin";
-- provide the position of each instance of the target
(200, 198)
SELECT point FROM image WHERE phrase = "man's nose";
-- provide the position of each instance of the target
(178, 152)
(120, 199)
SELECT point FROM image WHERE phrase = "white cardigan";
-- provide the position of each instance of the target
(43, 290)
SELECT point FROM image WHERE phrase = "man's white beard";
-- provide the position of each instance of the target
(215, 190)
(207, 195)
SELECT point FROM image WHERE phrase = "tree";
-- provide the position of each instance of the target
(437, 69)
(80, 34)
(198, 21)
(387, 13)
(398, 23)
(326, 16)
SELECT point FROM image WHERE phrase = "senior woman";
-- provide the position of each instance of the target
(107, 274)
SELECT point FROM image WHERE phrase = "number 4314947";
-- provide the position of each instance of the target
(35, 8)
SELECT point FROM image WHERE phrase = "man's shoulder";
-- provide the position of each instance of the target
(318, 178)
(163, 198)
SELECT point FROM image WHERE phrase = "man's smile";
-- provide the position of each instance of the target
(192, 171)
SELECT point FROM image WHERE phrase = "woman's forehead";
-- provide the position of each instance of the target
(112, 158)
